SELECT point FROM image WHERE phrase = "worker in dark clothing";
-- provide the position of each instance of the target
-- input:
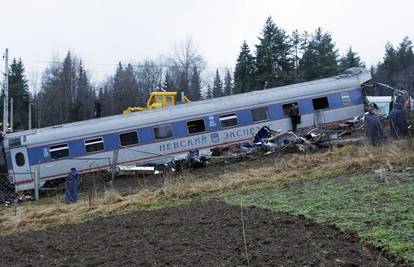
(72, 184)
(398, 121)
(294, 116)
(373, 127)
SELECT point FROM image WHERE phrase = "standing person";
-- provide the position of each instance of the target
(373, 127)
(71, 189)
(398, 121)
(294, 116)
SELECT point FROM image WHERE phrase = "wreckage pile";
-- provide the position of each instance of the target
(267, 142)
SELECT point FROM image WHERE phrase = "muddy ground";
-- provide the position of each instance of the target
(201, 234)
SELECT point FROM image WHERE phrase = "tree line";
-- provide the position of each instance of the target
(66, 93)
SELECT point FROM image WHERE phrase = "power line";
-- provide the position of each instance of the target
(114, 65)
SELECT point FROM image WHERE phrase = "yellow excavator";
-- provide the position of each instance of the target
(158, 100)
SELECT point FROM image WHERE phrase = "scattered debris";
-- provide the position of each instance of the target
(127, 169)
(18, 199)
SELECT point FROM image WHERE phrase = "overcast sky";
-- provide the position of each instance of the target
(107, 31)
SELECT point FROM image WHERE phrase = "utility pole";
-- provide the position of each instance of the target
(11, 114)
(30, 113)
(6, 92)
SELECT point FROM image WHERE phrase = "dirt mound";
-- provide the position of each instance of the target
(201, 234)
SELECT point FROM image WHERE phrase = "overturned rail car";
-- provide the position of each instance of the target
(157, 135)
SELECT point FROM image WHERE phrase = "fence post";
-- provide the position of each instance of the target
(114, 163)
(36, 182)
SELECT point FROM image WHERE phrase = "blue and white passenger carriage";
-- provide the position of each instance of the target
(155, 135)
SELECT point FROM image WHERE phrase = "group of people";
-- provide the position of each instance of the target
(397, 120)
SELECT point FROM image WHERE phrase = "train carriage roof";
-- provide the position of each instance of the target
(351, 79)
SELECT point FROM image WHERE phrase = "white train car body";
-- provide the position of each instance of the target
(156, 135)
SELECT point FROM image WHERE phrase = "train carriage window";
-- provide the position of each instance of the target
(320, 103)
(128, 139)
(59, 151)
(260, 114)
(286, 108)
(228, 120)
(162, 132)
(95, 144)
(196, 126)
(20, 159)
(346, 99)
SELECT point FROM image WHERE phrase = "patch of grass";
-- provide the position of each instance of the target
(213, 182)
(380, 210)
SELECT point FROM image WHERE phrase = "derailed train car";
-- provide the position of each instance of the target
(157, 135)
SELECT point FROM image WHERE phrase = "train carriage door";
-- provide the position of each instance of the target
(21, 166)
(320, 105)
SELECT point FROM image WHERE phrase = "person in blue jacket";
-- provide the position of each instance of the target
(373, 127)
(72, 184)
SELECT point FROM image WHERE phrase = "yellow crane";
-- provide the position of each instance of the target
(158, 100)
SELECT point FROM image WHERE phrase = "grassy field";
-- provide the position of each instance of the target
(378, 208)
(366, 190)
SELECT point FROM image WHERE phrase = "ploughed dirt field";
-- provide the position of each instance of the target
(200, 234)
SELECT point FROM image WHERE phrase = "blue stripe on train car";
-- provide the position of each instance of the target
(275, 112)
(305, 106)
(179, 129)
(111, 142)
(77, 148)
(335, 101)
(146, 135)
(356, 97)
(212, 123)
(244, 117)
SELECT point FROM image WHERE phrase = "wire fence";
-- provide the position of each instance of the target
(43, 184)
(97, 175)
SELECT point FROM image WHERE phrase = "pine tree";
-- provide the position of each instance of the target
(296, 46)
(217, 85)
(195, 85)
(117, 89)
(167, 84)
(85, 98)
(349, 60)
(209, 94)
(274, 63)
(124, 87)
(244, 71)
(228, 86)
(405, 53)
(67, 81)
(66, 94)
(397, 69)
(19, 91)
(299, 43)
(320, 58)
(133, 96)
